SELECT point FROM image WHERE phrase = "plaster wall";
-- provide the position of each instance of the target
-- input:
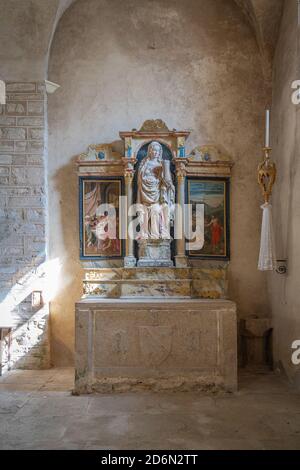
(196, 65)
(284, 290)
(25, 32)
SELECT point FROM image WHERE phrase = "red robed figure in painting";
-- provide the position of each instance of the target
(216, 232)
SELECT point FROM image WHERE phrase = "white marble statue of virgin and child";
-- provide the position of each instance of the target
(156, 194)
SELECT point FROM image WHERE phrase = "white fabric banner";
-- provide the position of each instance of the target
(267, 257)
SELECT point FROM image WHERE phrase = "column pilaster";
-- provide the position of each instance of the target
(181, 260)
(129, 260)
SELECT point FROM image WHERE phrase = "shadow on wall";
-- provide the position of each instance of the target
(24, 309)
(27, 346)
(64, 245)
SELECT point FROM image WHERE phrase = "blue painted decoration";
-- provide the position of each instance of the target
(181, 151)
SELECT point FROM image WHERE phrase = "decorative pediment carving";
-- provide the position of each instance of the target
(98, 153)
(154, 125)
(209, 153)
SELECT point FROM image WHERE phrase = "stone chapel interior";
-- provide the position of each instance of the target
(131, 133)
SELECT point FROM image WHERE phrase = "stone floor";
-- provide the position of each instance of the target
(37, 411)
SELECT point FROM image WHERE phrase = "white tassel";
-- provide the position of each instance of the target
(267, 258)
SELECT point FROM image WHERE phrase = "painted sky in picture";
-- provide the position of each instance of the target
(204, 193)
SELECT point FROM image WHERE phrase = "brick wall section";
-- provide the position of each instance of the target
(22, 217)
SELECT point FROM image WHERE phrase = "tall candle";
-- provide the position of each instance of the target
(267, 139)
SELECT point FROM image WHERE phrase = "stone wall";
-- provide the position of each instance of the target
(22, 220)
(284, 289)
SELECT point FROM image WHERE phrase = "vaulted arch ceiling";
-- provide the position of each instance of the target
(263, 16)
(27, 28)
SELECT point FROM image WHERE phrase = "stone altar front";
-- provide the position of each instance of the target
(151, 344)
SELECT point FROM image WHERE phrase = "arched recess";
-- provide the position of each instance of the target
(31, 38)
(263, 15)
(62, 6)
(120, 63)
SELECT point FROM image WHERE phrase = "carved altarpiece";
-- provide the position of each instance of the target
(116, 161)
(122, 338)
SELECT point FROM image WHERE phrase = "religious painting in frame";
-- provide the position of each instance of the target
(213, 194)
(95, 242)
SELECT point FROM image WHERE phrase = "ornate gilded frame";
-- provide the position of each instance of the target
(82, 180)
(226, 181)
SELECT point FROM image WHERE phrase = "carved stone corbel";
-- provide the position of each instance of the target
(180, 168)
